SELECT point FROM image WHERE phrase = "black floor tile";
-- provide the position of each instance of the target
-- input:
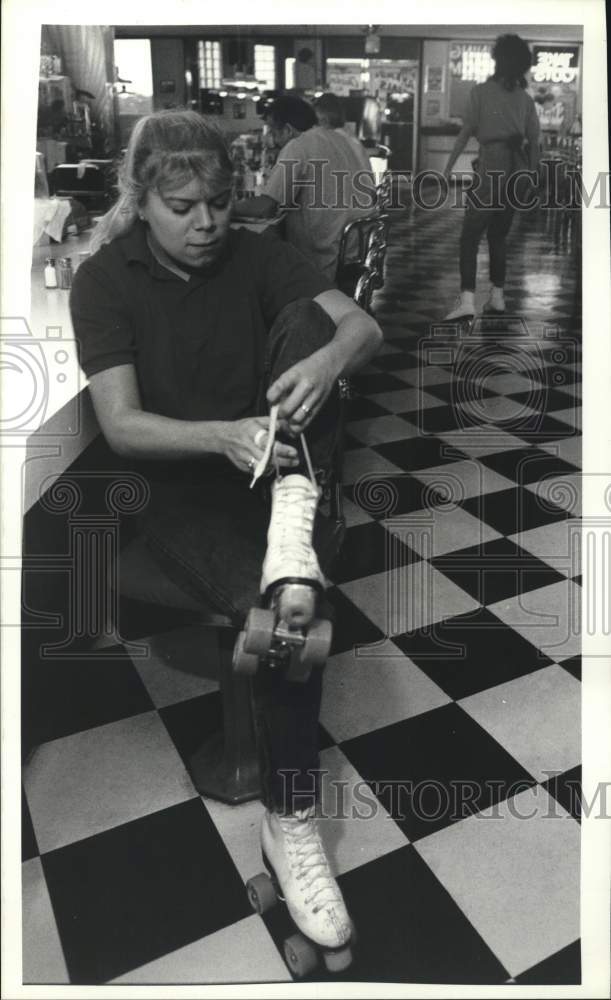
(190, 723)
(495, 570)
(139, 619)
(437, 419)
(409, 928)
(511, 511)
(566, 789)
(367, 550)
(528, 465)
(382, 382)
(351, 627)
(573, 665)
(350, 443)
(67, 696)
(561, 969)
(551, 399)
(454, 391)
(360, 408)
(384, 494)
(418, 453)
(141, 890)
(470, 653)
(435, 769)
(29, 847)
(395, 362)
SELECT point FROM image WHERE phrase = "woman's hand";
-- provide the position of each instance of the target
(244, 443)
(301, 390)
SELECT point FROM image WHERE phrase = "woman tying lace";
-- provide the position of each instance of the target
(189, 332)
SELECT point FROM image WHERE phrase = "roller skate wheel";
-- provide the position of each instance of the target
(261, 893)
(338, 959)
(243, 662)
(316, 647)
(297, 605)
(259, 630)
(300, 955)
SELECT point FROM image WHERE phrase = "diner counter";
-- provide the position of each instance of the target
(49, 318)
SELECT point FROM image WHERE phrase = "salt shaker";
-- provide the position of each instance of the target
(50, 273)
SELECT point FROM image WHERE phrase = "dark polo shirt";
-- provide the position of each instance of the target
(197, 340)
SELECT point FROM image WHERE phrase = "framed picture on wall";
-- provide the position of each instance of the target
(434, 80)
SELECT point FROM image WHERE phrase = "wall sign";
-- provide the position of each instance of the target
(471, 61)
(555, 64)
(433, 80)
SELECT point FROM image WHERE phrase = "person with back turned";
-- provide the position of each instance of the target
(503, 118)
(322, 178)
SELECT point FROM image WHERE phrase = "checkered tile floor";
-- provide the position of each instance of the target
(450, 721)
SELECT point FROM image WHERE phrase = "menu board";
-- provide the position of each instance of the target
(392, 76)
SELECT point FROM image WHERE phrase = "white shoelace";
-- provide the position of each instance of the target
(263, 462)
(311, 860)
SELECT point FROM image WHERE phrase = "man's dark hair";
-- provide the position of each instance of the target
(512, 58)
(290, 110)
(330, 110)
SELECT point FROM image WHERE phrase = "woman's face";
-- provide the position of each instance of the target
(190, 223)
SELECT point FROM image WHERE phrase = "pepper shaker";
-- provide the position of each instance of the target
(65, 272)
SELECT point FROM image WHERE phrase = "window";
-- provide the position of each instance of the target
(265, 65)
(209, 60)
(289, 73)
(133, 64)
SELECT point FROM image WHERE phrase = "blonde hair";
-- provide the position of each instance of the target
(165, 150)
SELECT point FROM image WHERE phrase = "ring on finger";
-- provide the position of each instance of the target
(306, 409)
(251, 463)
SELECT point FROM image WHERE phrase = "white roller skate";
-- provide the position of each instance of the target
(464, 309)
(495, 303)
(299, 874)
(285, 630)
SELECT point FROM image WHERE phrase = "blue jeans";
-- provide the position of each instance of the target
(209, 536)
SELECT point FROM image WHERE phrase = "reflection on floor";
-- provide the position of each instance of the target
(458, 718)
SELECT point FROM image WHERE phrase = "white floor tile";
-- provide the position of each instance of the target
(465, 479)
(554, 544)
(362, 693)
(537, 718)
(515, 878)
(180, 665)
(355, 827)
(408, 598)
(241, 953)
(449, 531)
(43, 957)
(92, 781)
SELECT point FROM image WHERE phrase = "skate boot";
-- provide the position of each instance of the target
(464, 309)
(299, 874)
(285, 630)
(495, 304)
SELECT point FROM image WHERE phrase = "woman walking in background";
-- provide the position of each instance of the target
(503, 117)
